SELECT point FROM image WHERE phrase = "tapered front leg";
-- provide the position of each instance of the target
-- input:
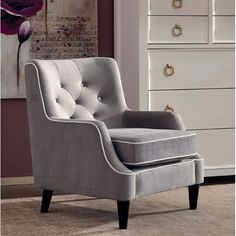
(123, 213)
(193, 191)
(46, 199)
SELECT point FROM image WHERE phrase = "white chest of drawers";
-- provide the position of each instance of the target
(186, 63)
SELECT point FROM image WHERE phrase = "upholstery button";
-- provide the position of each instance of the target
(82, 85)
(57, 100)
(99, 98)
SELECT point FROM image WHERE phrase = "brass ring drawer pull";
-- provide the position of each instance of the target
(169, 70)
(177, 4)
(169, 108)
(177, 30)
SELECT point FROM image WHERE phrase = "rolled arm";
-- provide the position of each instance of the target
(153, 119)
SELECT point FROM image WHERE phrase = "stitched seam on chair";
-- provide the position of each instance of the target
(158, 160)
(79, 69)
(83, 122)
(165, 166)
(152, 141)
(58, 71)
(77, 66)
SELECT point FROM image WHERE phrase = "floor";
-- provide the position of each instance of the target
(19, 191)
(159, 214)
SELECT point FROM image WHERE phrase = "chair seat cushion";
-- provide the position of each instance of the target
(141, 147)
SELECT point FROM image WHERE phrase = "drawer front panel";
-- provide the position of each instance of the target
(200, 109)
(216, 147)
(223, 7)
(223, 29)
(192, 69)
(178, 7)
(178, 29)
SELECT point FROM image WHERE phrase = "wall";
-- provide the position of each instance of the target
(15, 151)
(126, 48)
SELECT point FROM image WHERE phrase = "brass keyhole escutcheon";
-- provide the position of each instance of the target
(177, 30)
(169, 108)
(176, 4)
(169, 70)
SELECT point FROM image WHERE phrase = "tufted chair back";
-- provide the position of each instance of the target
(85, 89)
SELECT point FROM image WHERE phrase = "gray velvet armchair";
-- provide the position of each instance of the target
(85, 140)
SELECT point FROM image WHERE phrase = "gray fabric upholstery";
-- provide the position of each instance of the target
(71, 147)
(140, 147)
(166, 176)
(84, 89)
(153, 120)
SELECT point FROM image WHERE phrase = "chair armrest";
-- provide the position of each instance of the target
(81, 134)
(78, 156)
(153, 119)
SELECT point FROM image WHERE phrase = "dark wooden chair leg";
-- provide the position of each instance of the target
(193, 196)
(46, 199)
(123, 213)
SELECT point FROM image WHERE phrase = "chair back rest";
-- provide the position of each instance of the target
(84, 89)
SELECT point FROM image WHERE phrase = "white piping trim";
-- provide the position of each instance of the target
(158, 160)
(82, 122)
(165, 166)
(152, 141)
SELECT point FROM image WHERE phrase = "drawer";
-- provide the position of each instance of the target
(223, 29)
(178, 7)
(200, 109)
(191, 69)
(178, 29)
(217, 148)
(223, 7)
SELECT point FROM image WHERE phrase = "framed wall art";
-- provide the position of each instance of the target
(43, 29)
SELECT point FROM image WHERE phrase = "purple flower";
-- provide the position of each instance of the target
(14, 12)
(23, 35)
(24, 31)
(10, 23)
